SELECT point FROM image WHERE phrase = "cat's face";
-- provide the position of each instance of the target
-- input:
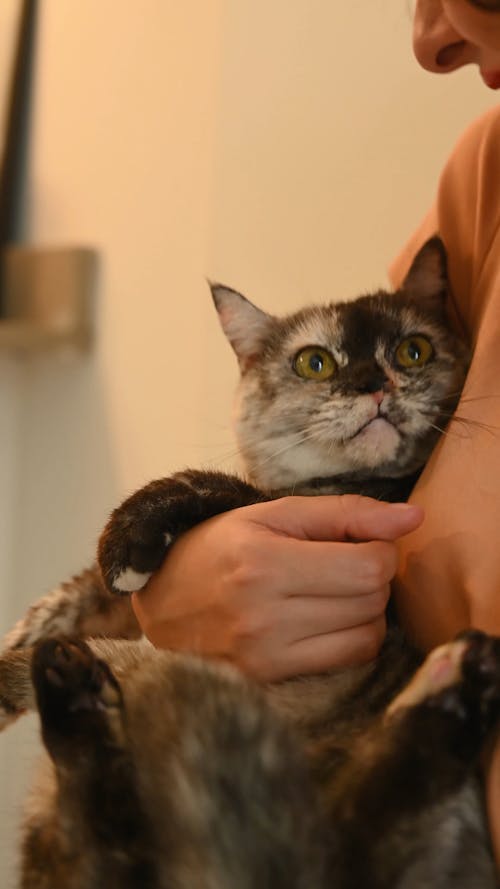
(361, 387)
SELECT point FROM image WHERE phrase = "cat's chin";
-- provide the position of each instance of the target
(376, 442)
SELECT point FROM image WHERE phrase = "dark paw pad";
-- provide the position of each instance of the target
(75, 690)
(481, 666)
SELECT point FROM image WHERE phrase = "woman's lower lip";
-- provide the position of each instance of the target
(491, 79)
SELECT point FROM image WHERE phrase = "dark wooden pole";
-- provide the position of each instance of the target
(13, 163)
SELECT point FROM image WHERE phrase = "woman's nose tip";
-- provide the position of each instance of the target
(438, 47)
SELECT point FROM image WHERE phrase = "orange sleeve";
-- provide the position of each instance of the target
(449, 573)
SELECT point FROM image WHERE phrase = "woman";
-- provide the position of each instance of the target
(455, 552)
(222, 588)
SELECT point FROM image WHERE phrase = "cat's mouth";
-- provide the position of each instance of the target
(379, 421)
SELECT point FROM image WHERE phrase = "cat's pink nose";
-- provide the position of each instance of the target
(377, 396)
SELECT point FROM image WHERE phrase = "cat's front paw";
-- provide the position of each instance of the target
(140, 531)
(77, 695)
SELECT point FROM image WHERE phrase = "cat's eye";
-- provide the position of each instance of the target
(414, 352)
(314, 363)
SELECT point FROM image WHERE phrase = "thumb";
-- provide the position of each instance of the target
(340, 517)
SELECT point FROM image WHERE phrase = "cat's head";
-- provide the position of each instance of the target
(359, 387)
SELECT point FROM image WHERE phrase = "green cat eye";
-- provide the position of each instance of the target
(314, 363)
(414, 352)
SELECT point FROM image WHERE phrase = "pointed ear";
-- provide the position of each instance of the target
(243, 323)
(428, 275)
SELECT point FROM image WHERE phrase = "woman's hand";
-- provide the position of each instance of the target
(293, 586)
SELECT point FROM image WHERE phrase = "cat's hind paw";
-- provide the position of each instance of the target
(77, 695)
(461, 677)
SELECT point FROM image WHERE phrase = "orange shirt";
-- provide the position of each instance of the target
(449, 573)
(449, 576)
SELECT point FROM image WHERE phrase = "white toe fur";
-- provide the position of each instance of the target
(129, 581)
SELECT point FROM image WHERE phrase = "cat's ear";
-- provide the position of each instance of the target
(243, 323)
(428, 275)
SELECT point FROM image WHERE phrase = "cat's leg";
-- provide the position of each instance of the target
(97, 831)
(133, 544)
(79, 607)
(140, 531)
(410, 793)
(460, 678)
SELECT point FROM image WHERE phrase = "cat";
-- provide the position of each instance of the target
(297, 434)
(165, 770)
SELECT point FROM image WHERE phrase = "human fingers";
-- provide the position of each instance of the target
(308, 616)
(226, 587)
(213, 574)
(312, 568)
(344, 517)
(222, 573)
(314, 654)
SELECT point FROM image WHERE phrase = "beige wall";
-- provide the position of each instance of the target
(286, 147)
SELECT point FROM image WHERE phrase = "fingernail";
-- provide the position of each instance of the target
(408, 508)
(404, 506)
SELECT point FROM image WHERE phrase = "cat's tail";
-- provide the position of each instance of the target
(16, 690)
(81, 607)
